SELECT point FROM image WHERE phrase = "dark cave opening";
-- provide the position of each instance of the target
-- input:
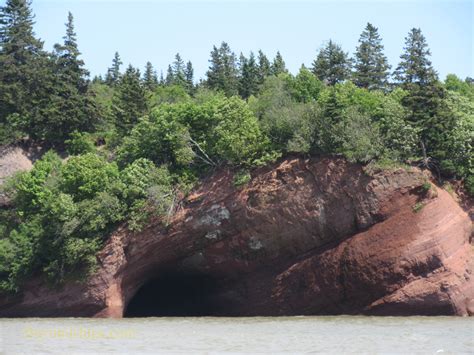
(174, 294)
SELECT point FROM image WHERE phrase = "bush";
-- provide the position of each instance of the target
(80, 143)
(86, 175)
(220, 130)
(286, 122)
(361, 140)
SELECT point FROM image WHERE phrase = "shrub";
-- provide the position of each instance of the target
(241, 178)
(80, 143)
(86, 175)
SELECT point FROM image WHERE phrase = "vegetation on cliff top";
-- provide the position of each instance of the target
(134, 140)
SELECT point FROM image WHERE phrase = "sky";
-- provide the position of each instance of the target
(155, 30)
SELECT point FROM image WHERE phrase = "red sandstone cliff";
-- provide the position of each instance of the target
(314, 236)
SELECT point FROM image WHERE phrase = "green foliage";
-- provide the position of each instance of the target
(418, 207)
(332, 64)
(64, 211)
(282, 119)
(113, 73)
(219, 130)
(371, 66)
(80, 143)
(361, 141)
(130, 102)
(242, 177)
(465, 88)
(169, 94)
(305, 87)
(455, 136)
(223, 74)
(249, 76)
(84, 176)
(160, 138)
(278, 66)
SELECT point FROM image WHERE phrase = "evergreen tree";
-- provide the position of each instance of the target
(371, 66)
(223, 74)
(424, 99)
(278, 65)
(162, 79)
(264, 67)
(130, 101)
(179, 76)
(415, 66)
(149, 77)
(71, 107)
(189, 76)
(249, 78)
(68, 64)
(113, 73)
(332, 64)
(25, 70)
(169, 76)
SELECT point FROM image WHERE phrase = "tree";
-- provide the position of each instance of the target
(281, 118)
(278, 65)
(223, 74)
(189, 77)
(305, 87)
(25, 69)
(249, 78)
(149, 77)
(130, 101)
(113, 73)
(424, 100)
(264, 67)
(371, 66)
(67, 58)
(169, 76)
(332, 64)
(179, 76)
(71, 108)
(415, 66)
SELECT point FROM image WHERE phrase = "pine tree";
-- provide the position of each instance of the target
(130, 101)
(149, 77)
(71, 107)
(25, 69)
(189, 76)
(179, 77)
(68, 65)
(371, 66)
(278, 65)
(425, 94)
(249, 79)
(169, 76)
(223, 74)
(415, 66)
(162, 79)
(113, 73)
(332, 64)
(264, 67)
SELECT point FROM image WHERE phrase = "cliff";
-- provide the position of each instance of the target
(305, 236)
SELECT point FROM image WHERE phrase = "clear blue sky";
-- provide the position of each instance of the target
(157, 30)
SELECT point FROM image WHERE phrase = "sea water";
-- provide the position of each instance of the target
(335, 335)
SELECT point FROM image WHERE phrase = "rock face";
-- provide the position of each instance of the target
(306, 236)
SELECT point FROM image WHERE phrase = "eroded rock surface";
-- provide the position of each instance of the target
(306, 236)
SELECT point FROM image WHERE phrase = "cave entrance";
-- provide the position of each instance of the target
(174, 294)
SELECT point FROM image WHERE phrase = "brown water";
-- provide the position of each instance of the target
(336, 335)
